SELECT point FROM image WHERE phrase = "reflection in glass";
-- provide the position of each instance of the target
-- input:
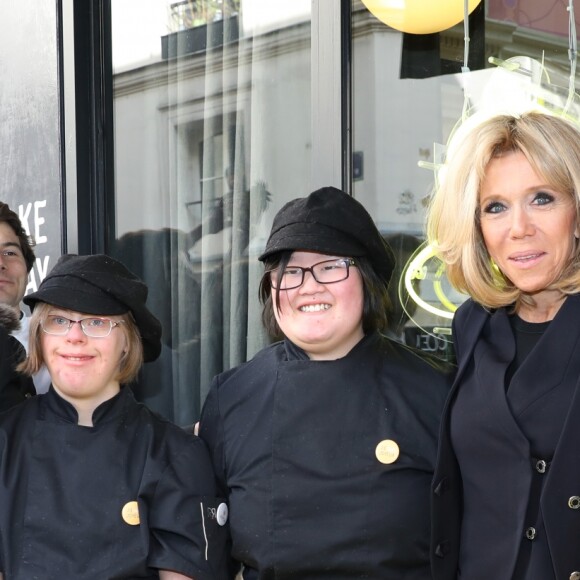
(212, 134)
(412, 92)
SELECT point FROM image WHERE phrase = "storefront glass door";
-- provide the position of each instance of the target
(212, 137)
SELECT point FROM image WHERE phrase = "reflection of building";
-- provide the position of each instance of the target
(129, 117)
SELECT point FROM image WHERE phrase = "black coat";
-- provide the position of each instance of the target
(506, 474)
(293, 442)
(119, 500)
(14, 387)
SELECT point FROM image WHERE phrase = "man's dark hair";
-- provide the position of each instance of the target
(7, 216)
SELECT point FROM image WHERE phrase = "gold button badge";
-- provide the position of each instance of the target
(130, 513)
(387, 451)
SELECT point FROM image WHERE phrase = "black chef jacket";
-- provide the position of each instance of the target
(294, 442)
(69, 494)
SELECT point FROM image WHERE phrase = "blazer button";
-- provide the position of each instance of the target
(442, 549)
(441, 486)
(574, 502)
(541, 466)
(531, 533)
(575, 576)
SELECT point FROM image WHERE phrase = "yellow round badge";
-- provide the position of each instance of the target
(387, 451)
(130, 513)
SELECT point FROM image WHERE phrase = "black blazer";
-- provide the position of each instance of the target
(560, 500)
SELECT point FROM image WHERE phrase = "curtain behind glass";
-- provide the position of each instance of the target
(212, 136)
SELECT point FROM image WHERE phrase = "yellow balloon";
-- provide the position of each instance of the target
(419, 16)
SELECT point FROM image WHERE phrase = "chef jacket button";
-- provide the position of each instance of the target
(221, 515)
(574, 502)
(575, 576)
(387, 451)
(541, 466)
(130, 513)
(531, 533)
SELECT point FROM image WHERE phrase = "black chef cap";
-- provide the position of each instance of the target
(100, 285)
(329, 221)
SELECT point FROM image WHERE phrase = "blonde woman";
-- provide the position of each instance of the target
(505, 220)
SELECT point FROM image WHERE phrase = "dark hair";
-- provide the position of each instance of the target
(376, 305)
(11, 218)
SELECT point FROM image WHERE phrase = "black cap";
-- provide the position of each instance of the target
(100, 285)
(330, 221)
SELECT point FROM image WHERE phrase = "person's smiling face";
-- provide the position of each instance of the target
(528, 227)
(13, 272)
(325, 320)
(84, 368)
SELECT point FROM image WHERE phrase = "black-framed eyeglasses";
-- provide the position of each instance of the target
(327, 272)
(94, 327)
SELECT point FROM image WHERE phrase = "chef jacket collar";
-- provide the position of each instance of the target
(294, 352)
(109, 410)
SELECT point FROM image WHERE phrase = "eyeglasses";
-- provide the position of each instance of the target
(327, 272)
(93, 327)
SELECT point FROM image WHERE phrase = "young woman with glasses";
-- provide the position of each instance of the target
(324, 443)
(94, 486)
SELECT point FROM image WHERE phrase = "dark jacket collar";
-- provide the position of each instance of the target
(294, 352)
(53, 405)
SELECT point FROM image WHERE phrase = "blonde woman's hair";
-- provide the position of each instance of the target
(131, 361)
(552, 147)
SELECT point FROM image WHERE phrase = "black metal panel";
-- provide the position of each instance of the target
(61, 99)
(346, 92)
(421, 58)
(94, 124)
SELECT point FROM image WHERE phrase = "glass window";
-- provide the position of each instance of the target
(415, 80)
(212, 136)
(30, 122)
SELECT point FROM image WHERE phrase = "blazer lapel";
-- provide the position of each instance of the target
(471, 324)
(546, 366)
